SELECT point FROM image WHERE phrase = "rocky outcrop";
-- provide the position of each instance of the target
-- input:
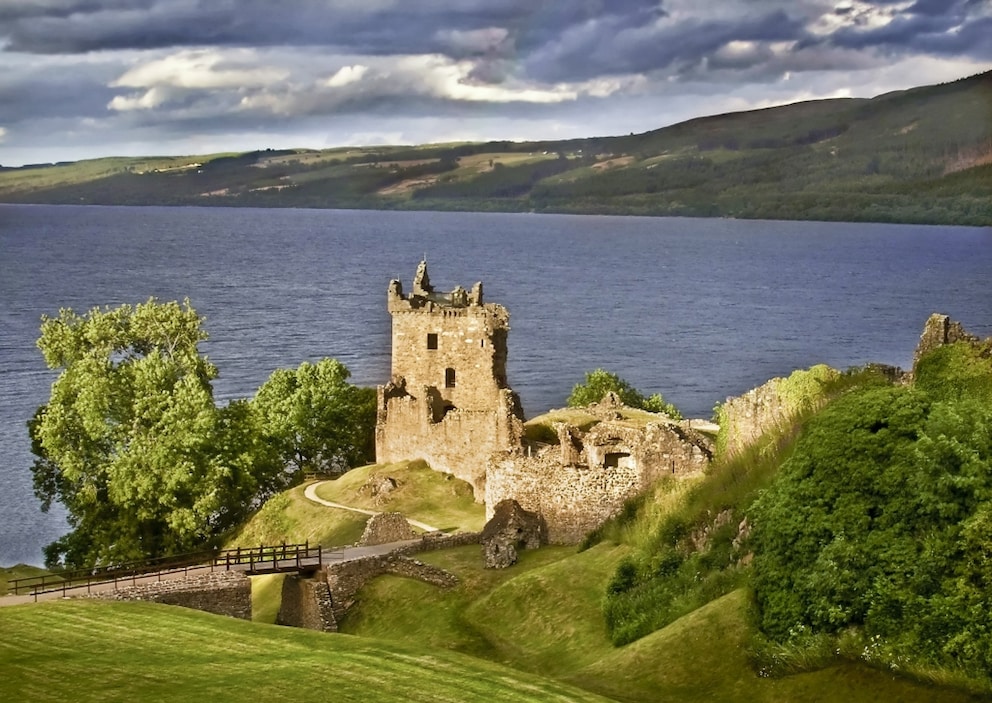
(510, 530)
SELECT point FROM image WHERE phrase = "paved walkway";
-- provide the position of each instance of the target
(311, 494)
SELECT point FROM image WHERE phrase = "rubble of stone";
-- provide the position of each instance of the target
(385, 528)
(510, 530)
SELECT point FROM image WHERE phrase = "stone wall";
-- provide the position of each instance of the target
(385, 528)
(938, 331)
(745, 418)
(448, 401)
(581, 483)
(219, 592)
(346, 579)
(459, 443)
(307, 603)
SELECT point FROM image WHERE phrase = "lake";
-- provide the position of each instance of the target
(697, 310)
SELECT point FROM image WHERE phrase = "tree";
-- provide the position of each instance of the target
(315, 420)
(122, 441)
(132, 443)
(600, 382)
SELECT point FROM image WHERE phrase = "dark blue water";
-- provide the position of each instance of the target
(695, 309)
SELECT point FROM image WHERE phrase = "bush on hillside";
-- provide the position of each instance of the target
(882, 519)
(600, 382)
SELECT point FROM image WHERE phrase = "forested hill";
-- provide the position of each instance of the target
(922, 155)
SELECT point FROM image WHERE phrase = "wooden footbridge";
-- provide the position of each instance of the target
(253, 561)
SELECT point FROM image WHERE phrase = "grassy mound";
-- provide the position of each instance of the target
(432, 497)
(289, 517)
(703, 657)
(413, 612)
(435, 498)
(99, 651)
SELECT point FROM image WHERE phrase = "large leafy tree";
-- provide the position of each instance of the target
(130, 440)
(600, 382)
(315, 421)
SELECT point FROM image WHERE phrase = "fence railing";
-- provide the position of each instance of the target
(258, 560)
(271, 559)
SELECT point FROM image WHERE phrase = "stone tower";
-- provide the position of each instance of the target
(448, 401)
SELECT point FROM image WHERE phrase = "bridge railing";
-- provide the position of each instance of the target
(271, 558)
(261, 559)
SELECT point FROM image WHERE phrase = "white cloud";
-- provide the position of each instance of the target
(202, 69)
(857, 13)
(346, 75)
(3, 133)
(444, 78)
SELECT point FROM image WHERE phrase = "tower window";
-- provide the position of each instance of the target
(449, 378)
(432, 340)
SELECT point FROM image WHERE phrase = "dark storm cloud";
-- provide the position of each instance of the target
(943, 27)
(589, 52)
(393, 27)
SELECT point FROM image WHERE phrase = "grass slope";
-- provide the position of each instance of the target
(542, 616)
(289, 517)
(105, 652)
(432, 497)
(703, 657)
(20, 571)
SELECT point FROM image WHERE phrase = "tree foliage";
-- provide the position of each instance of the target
(600, 382)
(881, 520)
(133, 445)
(315, 420)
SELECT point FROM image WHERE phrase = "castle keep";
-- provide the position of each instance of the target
(448, 401)
(449, 404)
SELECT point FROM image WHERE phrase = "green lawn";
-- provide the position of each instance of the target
(99, 651)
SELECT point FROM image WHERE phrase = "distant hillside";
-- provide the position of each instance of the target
(922, 155)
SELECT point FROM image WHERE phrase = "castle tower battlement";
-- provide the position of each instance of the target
(448, 401)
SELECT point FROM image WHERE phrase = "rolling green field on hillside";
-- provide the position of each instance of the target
(104, 652)
(922, 155)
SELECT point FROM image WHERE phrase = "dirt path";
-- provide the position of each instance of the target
(311, 494)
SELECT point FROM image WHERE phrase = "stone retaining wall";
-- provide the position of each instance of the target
(220, 592)
(306, 603)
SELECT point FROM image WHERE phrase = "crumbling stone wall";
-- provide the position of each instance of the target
(346, 579)
(448, 401)
(579, 484)
(219, 592)
(745, 418)
(307, 603)
(510, 530)
(938, 331)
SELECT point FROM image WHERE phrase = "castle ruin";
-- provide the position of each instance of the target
(448, 401)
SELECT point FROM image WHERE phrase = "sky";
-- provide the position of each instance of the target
(88, 78)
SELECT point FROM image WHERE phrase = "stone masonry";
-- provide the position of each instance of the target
(448, 401)
(584, 479)
(219, 592)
